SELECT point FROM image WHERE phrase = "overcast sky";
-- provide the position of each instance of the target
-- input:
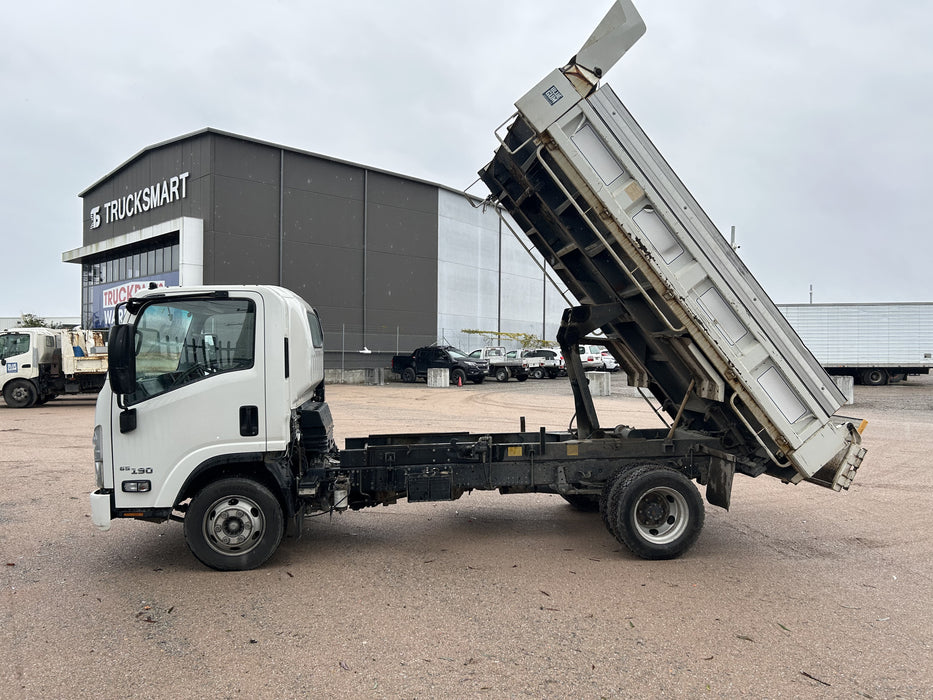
(806, 125)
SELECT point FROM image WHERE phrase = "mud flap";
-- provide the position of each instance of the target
(719, 485)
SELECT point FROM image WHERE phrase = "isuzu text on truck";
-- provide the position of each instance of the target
(234, 375)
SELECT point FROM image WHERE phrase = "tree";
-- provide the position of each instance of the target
(524, 340)
(33, 321)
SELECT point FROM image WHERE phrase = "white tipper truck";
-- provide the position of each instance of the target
(214, 413)
(38, 364)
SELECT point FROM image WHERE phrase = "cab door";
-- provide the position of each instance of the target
(18, 367)
(15, 354)
(199, 395)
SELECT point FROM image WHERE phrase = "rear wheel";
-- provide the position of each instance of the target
(655, 511)
(19, 393)
(875, 377)
(502, 374)
(234, 524)
(478, 380)
(409, 376)
(521, 377)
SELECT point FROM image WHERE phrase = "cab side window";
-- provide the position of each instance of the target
(182, 341)
(12, 344)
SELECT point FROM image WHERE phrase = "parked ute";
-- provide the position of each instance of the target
(462, 368)
(504, 365)
(552, 362)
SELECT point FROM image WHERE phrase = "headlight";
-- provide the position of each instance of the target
(98, 457)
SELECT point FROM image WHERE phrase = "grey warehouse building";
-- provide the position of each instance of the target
(390, 262)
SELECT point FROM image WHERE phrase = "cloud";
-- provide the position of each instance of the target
(804, 125)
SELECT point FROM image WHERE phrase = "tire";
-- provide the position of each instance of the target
(409, 376)
(502, 374)
(655, 511)
(609, 496)
(553, 375)
(583, 502)
(521, 377)
(458, 374)
(874, 377)
(234, 524)
(537, 373)
(20, 393)
(478, 380)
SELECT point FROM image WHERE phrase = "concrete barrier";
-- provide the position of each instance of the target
(846, 385)
(376, 376)
(599, 383)
(438, 377)
(372, 375)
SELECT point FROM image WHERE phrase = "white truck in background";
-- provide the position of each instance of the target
(874, 343)
(214, 411)
(38, 364)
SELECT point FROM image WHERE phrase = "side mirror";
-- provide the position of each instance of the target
(121, 359)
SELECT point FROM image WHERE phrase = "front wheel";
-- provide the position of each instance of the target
(537, 373)
(655, 511)
(234, 524)
(458, 377)
(20, 393)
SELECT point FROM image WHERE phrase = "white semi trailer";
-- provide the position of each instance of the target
(874, 343)
(235, 374)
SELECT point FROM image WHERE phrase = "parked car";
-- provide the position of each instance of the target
(609, 362)
(415, 366)
(552, 362)
(591, 356)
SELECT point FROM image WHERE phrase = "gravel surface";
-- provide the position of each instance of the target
(796, 592)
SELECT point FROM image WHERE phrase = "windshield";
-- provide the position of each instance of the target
(459, 354)
(12, 344)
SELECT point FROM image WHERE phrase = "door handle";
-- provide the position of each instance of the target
(249, 421)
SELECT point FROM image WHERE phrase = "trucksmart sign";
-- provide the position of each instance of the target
(169, 190)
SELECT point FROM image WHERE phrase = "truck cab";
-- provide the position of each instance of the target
(204, 384)
(21, 352)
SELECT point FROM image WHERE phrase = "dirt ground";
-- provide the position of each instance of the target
(796, 592)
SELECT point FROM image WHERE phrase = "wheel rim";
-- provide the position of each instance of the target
(19, 393)
(661, 515)
(234, 525)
